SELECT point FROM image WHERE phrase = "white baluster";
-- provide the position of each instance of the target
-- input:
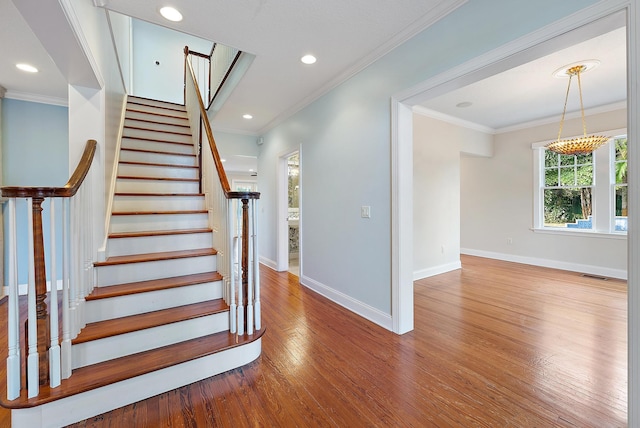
(13, 359)
(238, 258)
(54, 348)
(232, 292)
(66, 314)
(256, 267)
(249, 274)
(32, 359)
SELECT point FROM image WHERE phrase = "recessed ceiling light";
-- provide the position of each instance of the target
(247, 116)
(464, 104)
(308, 59)
(28, 68)
(223, 160)
(171, 13)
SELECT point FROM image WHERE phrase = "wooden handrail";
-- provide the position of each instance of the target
(222, 175)
(67, 191)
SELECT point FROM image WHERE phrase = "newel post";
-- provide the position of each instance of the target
(42, 316)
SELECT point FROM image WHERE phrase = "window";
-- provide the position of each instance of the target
(620, 186)
(583, 193)
(568, 182)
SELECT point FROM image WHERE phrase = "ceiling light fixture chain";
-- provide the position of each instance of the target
(585, 144)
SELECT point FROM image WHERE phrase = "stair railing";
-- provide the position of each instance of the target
(233, 216)
(48, 357)
(212, 70)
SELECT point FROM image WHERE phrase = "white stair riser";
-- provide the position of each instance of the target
(156, 125)
(97, 401)
(136, 156)
(136, 170)
(153, 222)
(149, 103)
(122, 203)
(145, 271)
(158, 243)
(128, 185)
(156, 135)
(97, 351)
(168, 118)
(157, 146)
(132, 304)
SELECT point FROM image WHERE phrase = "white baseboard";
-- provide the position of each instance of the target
(268, 263)
(436, 270)
(372, 314)
(22, 288)
(554, 264)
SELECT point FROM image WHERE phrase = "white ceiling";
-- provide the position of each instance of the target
(345, 36)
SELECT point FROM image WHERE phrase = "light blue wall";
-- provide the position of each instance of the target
(346, 147)
(34, 153)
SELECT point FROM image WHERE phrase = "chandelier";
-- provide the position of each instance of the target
(587, 143)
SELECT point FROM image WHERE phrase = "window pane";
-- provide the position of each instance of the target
(551, 177)
(568, 208)
(621, 149)
(621, 208)
(584, 175)
(550, 158)
(567, 160)
(567, 176)
(584, 159)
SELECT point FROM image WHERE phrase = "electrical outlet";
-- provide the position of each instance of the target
(365, 211)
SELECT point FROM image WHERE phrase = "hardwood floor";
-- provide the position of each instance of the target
(495, 344)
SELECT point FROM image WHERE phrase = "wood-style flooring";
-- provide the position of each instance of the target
(495, 344)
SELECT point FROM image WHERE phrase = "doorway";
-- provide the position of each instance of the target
(293, 212)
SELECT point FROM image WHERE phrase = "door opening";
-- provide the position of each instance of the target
(293, 212)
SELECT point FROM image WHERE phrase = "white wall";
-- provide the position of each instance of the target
(121, 29)
(153, 43)
(497, 203)
(436, 192)
(346, 146)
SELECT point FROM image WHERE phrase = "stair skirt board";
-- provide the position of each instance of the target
(136, 113)
(157, 202)
(109, 348)
(91, 403)
(157, 171)
(158, 243)
(145, 271)
(157, 222)
(135, 155)
(132, 304)
(162, 145)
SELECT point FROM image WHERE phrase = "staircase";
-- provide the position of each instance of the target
(156, 319)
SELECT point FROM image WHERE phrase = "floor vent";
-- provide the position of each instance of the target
(594, 276)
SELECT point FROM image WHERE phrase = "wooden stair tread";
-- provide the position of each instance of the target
(117, 326)
(155, 122)
(166, 165)
(152, 285)
(157, 140)
(158, 152)
(156, 194)
(103, 374)
(158, 233)
(151, 257)
(155, 114)
(159, 212)
(135, 177)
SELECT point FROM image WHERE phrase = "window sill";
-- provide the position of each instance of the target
(581, 233)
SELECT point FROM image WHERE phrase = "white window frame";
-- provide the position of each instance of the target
(603, 197)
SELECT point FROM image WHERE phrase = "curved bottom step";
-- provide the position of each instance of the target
(106, 386)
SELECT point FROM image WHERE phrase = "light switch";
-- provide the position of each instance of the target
(365, 211)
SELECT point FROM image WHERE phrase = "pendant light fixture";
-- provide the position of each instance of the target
(587, 143)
